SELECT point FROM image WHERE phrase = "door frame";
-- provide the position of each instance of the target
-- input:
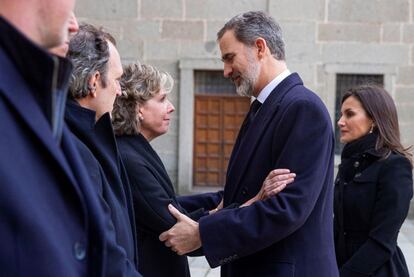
(187, 67)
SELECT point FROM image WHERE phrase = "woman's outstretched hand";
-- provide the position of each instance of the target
(274, 183)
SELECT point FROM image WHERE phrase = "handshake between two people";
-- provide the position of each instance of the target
(184, 236)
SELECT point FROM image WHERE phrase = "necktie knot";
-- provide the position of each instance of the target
(254, 107)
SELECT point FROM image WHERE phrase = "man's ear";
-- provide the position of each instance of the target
(93, 83)
(261, 46)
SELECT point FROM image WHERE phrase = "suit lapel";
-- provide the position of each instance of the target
(245, 147)
(240, 135)
(105, 135)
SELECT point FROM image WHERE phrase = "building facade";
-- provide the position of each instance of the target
(332, 44)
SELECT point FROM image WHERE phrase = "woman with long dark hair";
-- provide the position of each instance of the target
(373, 187)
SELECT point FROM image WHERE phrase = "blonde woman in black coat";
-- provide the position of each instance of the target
(373, 187)
(140, 115)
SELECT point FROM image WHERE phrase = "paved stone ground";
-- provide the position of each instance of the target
(200, 268)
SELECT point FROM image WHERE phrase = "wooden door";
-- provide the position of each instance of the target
(217, 122)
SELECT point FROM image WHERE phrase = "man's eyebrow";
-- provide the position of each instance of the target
(227, 56)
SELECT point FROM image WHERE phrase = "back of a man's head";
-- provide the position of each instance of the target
(249, 26)
(89, 53)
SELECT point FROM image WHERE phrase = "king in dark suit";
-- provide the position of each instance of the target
(288, 126)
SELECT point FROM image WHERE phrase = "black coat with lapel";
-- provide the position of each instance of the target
(152, 191)
(289, 234)
(51, 222)
(118, 263)
(372, 198)
(99, 140)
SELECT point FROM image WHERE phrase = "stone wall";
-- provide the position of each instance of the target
(323, 38)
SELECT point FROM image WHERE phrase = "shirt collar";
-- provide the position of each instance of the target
(271, 86)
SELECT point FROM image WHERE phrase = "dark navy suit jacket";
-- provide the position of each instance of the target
(51, 222)
(289, 234)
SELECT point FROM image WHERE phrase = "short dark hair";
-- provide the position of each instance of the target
(252, 25)
(380, 107)
(89, 52)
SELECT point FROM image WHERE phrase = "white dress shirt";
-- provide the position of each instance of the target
(271, 86)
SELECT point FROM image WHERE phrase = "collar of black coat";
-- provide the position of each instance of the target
(142, 146)
(77, 115)
(81, 121)
(35, 65)
(86, 118)
(363, 145)
(138, 139)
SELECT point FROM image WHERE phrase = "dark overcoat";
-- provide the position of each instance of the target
(51, 222)
(98, 139)
(118, 263)
(291, 233)
(372, 198)
(152, 191)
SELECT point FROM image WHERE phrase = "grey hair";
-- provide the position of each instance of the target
(252, 25)
(89, 53)
(139, 83)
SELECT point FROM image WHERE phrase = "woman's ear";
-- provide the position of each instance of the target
(372, 127)
(140, 114)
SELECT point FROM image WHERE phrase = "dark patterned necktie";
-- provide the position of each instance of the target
(254, 107)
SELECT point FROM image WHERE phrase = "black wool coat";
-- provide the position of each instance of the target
(372, 198)
(97, 139)
(152, 192)
(118, 261)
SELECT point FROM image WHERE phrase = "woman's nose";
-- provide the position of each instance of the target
(171, 107)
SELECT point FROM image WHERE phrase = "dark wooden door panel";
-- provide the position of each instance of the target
(217, 123)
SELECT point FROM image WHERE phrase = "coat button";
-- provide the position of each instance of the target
(79, 250)
(244, 191)
(357, 175)
(356, 164)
